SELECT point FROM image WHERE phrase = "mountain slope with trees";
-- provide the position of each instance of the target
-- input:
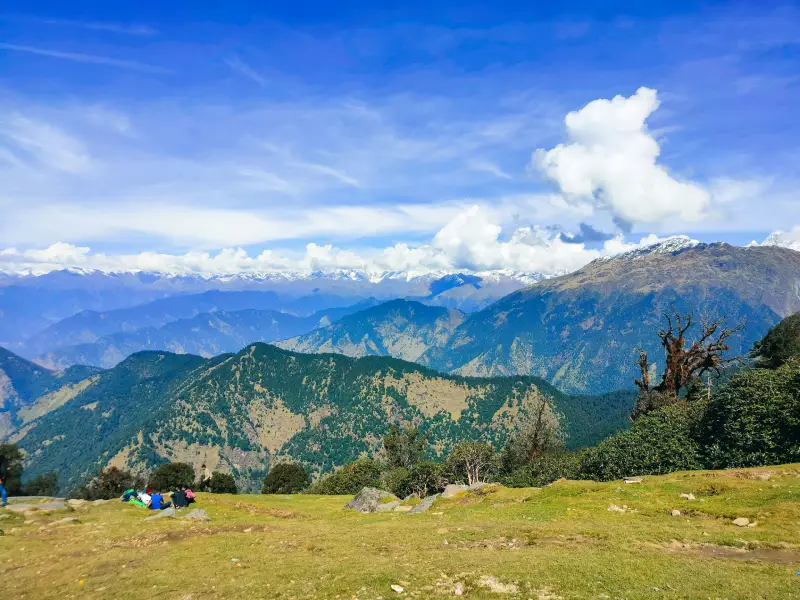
(241, 412)
(582, 332)
(400, 328)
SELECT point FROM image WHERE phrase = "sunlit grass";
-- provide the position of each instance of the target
(559, 541)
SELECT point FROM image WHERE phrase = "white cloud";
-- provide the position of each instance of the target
(50, 145)
(130, 65)
(611, 160)
(471, 241)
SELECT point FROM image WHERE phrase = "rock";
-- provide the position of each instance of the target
(477, 486)
(75, 503)
(615, 508)
(397, 588)
(453, 490)
(409, 497)
(753, 524)
(403, 508)
(196, 514)
(688, 496)
(424, 505)
(29, 513)
(741, 522)
(676, 513)
(96, 502)
(633, 480)
(387, 506)
(160, 514)
(368, 499)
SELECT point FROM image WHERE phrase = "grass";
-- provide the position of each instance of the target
(557, 542)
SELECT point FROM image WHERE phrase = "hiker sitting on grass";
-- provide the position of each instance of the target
(157, 502)
(179, 499)
(190, 497)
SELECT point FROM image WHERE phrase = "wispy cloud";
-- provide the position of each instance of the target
(86, 58)
(132, 29)
(241, 67)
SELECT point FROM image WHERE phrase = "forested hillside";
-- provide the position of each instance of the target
(239, 412)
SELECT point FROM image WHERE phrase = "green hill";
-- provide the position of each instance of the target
(23, 382)
(238, 412)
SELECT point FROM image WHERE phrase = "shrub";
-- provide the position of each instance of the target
(45, 484)
(472, 462)
(397, 481)
(545, 469)
(170, 475)
(755, 419)
(109, 483)
(14, 457)
(427, 478)
(350, 479)
(659, 442)
(285, 478)
(222, 483)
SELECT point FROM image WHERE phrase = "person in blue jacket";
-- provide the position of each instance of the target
(5, 473)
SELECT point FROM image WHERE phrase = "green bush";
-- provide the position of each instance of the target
(222, 483)
(285, 478)
(108, 484)
(168, 476)
(397, 481)
(755, 419)
(350, 479)
(545, 469)
(427, 477)
(14, 457)
(661, 441)
(781, 344)
(45, 484)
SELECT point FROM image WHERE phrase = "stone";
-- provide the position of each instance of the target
(688, 496)
(741, 522)
(368, 499)
(403, 508)
(424, 505)
(477, 486)
(676, 513)
(632, 480)
(76, 503)
(197, 514)
(615, 508)
(387, 506)
(96, 502)
(753, 524)
(397, 588)
(160, 514)
(453, 490)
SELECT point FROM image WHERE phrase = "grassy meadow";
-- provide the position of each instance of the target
(561, 541)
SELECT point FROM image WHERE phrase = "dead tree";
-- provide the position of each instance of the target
(686, 361)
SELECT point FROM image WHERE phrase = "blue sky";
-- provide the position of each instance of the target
(313, 135)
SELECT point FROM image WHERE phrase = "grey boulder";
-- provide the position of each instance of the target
(369, 499)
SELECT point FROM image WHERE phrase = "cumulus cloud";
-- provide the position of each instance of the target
(471, 241)
(611, 160)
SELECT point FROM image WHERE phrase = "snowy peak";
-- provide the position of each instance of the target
(782, 239)
(669, 245)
